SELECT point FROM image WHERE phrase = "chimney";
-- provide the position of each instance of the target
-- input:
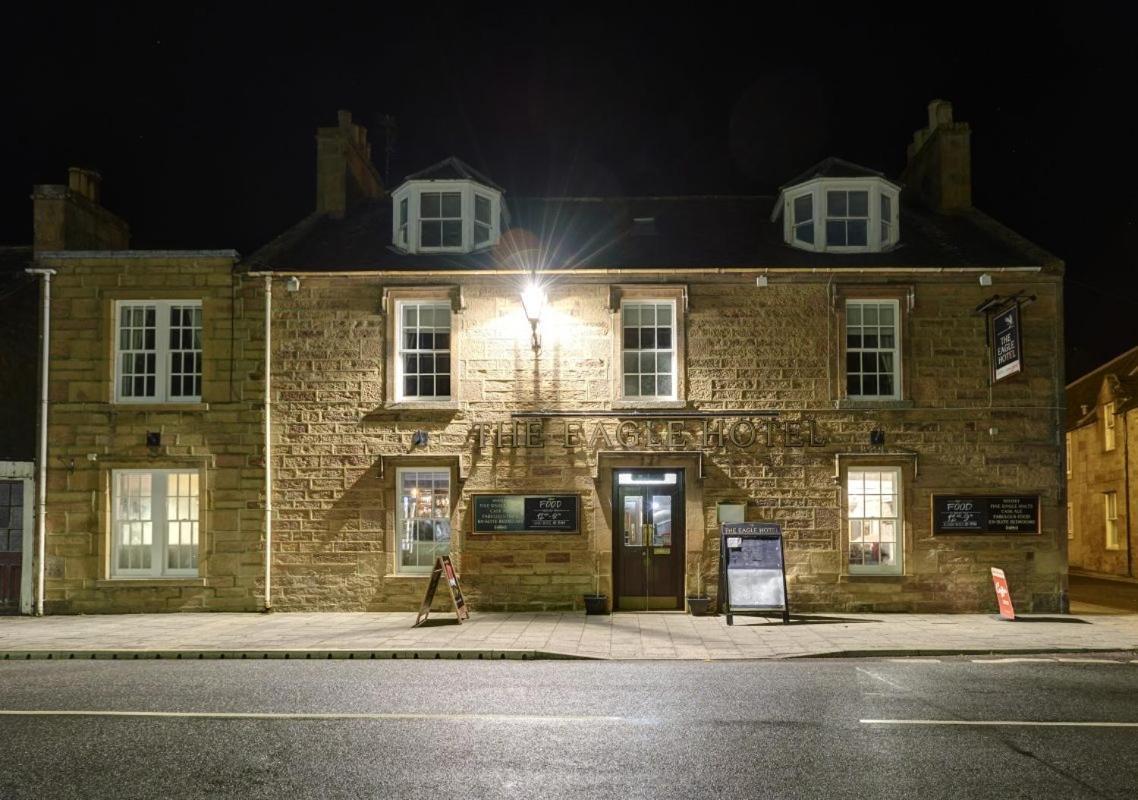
(70, 217)
(344, 172)
(939, 168)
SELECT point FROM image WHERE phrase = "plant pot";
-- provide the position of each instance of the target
(697, 606)
(596, 604)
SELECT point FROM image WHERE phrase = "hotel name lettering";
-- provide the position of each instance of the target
(739, 433)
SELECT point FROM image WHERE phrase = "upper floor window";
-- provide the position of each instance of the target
(423, 362)
(1110, 504)
(1068, 451)
(873, 368)
(648, 349)
(158, 351)
(446, 208)
(840, 214)
(1108, 441)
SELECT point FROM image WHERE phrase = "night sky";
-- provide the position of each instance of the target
(202, 120)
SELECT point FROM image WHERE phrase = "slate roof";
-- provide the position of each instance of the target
(452, 169)
(1085, 390)
(834, 168)
(690, 232)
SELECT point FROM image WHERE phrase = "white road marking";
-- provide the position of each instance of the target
(1018, 660)
(50, 712)
(915, 660)
(1088, 661)
(998, 722)
(883, 680)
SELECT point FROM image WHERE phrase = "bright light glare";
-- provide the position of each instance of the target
(533, 300)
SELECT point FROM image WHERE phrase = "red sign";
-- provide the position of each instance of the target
(1003, 596)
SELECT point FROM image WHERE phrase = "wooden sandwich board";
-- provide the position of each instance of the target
(443, 568)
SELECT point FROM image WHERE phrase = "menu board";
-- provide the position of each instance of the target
(985, 514)
(753, 571)
(526, 513)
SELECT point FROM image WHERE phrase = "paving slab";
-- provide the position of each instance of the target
(644, 635)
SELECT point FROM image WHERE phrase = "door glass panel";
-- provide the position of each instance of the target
(661, 520)
(633, 521)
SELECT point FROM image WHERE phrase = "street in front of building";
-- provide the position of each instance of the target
(1062, 726)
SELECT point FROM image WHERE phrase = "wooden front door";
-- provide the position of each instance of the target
(11, 543)
(648, 530)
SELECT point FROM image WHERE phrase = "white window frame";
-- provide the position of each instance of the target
(898, 521)
(408, 237)
(1068, 451)
(675, 349)
(403, 221)
(817, 189)
(162, 351)
(400, 351)
(1110, 511)
(401, 518)
(1109, 442)
(159, 522)
(895, 351)
(1070, 520)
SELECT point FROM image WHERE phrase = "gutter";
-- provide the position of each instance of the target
(41, 478)
(268, 449)
(474, 272)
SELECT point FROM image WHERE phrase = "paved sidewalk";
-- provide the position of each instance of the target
(551, 635)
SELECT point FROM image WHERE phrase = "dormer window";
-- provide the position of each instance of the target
(839, 207)
(448, 208)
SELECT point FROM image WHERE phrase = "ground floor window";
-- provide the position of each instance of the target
(873, 503)
(156, 523)
(1111, 503)
(422, 517)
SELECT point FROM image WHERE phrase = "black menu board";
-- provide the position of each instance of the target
(985, 514)
(525, 513)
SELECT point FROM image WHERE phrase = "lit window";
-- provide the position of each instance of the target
(872, 352)
(847, 218)
(159, 352)
(423, 363)
(1070, 520)
(440, 219)
(873, 498)
(1070, 453)
(422, 517)
(1108, 426)
(1111, 506)
(155, 524)
(648, 350)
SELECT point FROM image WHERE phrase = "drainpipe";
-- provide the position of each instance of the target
(1126, 485)
(268, 444)
(41, 479)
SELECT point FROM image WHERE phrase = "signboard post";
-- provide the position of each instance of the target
(525, 513)
(1012, 514)
(443, 569)
(1003, 596)
(1007, 357)
(752, 570)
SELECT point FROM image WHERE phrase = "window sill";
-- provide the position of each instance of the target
(648, 405)
(861, 402)
(121, 406)
(424, 405)
(864, 577)
(144, 583)
(398, 576)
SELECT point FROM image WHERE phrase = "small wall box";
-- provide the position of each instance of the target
(730, 511)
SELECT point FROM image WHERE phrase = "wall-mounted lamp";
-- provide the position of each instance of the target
(985, 279)
(533, 301)
(293, 284)
(761, 281)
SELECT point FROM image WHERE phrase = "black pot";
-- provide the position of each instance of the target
(596, 604)
(697, 606)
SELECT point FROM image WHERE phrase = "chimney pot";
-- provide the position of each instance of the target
(84, 182)
(940, 113)
(344, 118)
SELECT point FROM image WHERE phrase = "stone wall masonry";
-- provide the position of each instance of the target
(1095, 471)
(221, 435)
(773, 349)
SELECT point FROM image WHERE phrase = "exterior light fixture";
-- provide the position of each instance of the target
(293, 284)
(533, 301)
(985, 279)
(761, 281)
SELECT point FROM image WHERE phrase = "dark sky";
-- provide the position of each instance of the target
(202, 119)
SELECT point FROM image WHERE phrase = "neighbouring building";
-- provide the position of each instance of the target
(566, 394)
(1101, 413)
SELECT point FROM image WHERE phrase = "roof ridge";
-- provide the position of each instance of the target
(1104, 365)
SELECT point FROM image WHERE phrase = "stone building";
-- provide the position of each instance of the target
(566, 394)
(1101, 413)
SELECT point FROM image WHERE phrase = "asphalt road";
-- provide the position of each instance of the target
(1119, 596)
(446, 729)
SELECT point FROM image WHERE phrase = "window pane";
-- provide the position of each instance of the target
(857, 232)
(836, 233)
(482, 209)
(452, 233)
(804, 232)
(429, 204)
(664, 338)
(430, 234)
(886, 208)
(452, 204)
(803, 208)
(859, 204)
(836, 204)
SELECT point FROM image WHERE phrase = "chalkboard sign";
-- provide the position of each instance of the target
(444, 569)
(985, 513)
(752, 569)
(525, 513)
(1007, 357)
